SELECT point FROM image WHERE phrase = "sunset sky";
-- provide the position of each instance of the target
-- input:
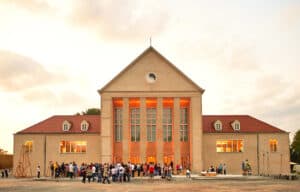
(55, 55)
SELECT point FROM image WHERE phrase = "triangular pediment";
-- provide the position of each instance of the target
(151, 72)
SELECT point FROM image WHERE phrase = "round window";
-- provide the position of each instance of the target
(151, 77)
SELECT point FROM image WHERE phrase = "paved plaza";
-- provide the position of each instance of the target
(232, 184)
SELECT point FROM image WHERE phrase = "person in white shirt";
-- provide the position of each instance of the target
(71, 170)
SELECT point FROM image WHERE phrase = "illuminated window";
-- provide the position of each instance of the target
(167, 119)
(118, 119)
(151, 124)
(229, 146)
(66, 126)
(135, 124)
(28, 146)
(273, 145)
(183, 124)
(118, 124)
(167, 124)
(134, 159)
(73, 146)
(135, 129)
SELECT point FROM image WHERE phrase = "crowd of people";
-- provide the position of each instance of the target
(119, 172)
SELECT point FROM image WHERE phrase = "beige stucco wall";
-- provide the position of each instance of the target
(36, 156)
(46, 148)
(254, 147)
(272, 163)
(133, 78)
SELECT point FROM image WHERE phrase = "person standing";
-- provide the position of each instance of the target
(106, 173)
(83, 172)
(6, 173)
(224, 169)
(38, 171)
(2, 173)
(71, 170)
(151, 170)
(188, 173)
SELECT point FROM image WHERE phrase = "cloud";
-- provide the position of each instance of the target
(48, 97)
(34, 6)
(21, 72)
(119, 20)
(289, 17)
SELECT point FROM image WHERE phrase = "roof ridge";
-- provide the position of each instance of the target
(261, 121)
(47, 119)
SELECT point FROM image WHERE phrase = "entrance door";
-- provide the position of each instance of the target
(151, 159)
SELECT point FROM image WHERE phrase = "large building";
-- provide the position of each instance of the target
(152, 112)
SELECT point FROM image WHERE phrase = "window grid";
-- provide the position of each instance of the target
(73, 146)
(118, 124)
(151, 124)
(273, 145)
(167, 124)
(183, 124)
(28, 146)
(135, 124)
(230, 146)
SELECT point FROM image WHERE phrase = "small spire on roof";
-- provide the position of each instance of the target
(150, 41)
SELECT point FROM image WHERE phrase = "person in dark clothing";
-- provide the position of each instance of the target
(83, 173)
(6, 173)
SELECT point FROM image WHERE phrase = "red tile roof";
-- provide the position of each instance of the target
(54, 124)
(248, 124)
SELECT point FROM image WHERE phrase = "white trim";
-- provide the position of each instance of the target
(84, 126)
(216, 123)
(66, 126)
(151, 77)
(236, 125)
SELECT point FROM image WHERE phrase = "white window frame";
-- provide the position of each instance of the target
(84, 126)
(234, 125)
(218, 125)
(66, 126)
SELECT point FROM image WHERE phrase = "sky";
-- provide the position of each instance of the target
(55, 55)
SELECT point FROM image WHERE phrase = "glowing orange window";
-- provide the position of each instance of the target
(118, 102)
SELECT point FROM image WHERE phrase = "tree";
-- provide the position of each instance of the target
(90, 111)
(295, 148)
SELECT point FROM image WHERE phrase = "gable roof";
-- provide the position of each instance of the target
(54, 124)
(141, 56)
(248, 124)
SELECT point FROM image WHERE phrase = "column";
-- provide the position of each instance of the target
(126, 130)
(196, 134)
(143, 141)
(176, 134)
(159, 131)
(106, 129)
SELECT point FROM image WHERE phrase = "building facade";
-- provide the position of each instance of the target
(152, 112)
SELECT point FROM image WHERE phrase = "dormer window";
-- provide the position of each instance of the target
(236, 126)
(66, 125)
(84, 125)
(218, 125)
